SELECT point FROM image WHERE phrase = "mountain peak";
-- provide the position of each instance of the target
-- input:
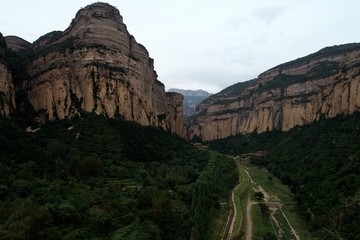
(16, 43)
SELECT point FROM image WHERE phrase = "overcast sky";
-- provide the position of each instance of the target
(206, 44)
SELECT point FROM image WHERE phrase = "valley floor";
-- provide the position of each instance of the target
(262, 208)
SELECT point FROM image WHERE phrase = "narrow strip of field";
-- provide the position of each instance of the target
(280, 207)
(237, 216)
(273, 215)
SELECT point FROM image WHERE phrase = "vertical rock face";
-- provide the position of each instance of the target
(7, 93)
(175, 114)
(321, 85)
(95, 65)
(191, 99)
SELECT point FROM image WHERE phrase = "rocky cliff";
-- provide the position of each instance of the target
(17, 44)
(321, 85)
(175, 112)
(95, 65)
(7, 91)
(191, 99)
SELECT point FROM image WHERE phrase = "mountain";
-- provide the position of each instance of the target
(321, 85)
(95, 65)
(191, 99)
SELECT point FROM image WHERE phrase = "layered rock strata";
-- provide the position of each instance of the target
(321, 85)
(7, 91)
(175, 111)
(95, 65)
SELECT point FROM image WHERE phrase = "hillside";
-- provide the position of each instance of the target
(322, 85)
(321, 163)
(100, 178)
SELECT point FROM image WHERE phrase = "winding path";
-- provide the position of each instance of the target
(234, 212)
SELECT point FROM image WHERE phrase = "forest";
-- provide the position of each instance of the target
(99, 178)
(320, 162)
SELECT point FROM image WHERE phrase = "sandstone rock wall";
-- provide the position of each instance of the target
(7, 92)
(281, 108)
(175, 113)
(95, 65)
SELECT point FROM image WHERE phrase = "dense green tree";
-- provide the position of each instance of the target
(99, 178)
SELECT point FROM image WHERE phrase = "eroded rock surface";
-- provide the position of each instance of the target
(321, 85)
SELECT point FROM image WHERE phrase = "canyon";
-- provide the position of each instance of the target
(96, 65)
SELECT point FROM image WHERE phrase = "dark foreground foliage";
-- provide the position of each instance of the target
(98, 178)
(321, 164)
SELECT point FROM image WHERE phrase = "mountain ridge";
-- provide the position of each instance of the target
(320, 85)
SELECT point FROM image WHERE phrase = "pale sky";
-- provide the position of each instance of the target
(206, 44)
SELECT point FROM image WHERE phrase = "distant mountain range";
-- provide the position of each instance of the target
(191, 99)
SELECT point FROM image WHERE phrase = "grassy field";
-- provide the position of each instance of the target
(297, 222)
(261, 223)
(287, 233)
(271, 184)
(274, 187)
(240, 195)
(218, 225)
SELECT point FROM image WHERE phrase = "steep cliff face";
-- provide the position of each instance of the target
(7, 92)
(94, 65)
(321, 85)
(175, 113)
(191, 99)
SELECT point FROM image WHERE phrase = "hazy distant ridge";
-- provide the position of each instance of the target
(192, 98)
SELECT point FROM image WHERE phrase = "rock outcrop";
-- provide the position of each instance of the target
(7, 91)
(321, 85)
(175, 114)
(17, 44)
(191, 99)
(95, 65)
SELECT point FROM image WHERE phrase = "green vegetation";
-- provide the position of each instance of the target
(235, 89)
(217, 177)
(261, 222)
(286, 230)
(98, 178)
(240, 195)
(17, 63)
(57, 47)
(297, 222)
(271, 184)
(323, 70)
(321, 164)
(218, 225)
(323, 53)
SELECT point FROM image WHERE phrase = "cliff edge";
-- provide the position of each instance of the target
(321, 85)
